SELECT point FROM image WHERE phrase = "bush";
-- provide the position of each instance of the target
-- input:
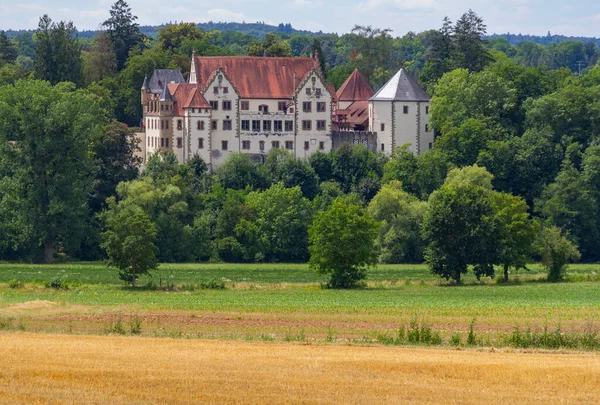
(15, 284)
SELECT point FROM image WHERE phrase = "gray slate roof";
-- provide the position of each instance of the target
(401, 87)
(162, 77)
(166, 94)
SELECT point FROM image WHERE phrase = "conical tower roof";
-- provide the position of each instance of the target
(355, 88)
(401, 87)
(146, 85)
(166, 94)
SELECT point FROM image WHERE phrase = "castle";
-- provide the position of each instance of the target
(253, 104)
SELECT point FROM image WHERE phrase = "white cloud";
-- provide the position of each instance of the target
(307, 3)
(406, 5)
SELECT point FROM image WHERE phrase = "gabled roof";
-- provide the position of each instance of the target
(401, 87)
(355, 88)
(184, 93)
(196, 100)
(256, 77)
(162, 77)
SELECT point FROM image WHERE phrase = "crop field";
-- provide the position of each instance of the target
(273, 332)
(38, 368)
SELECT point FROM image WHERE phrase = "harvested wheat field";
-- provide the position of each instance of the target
(40, 368)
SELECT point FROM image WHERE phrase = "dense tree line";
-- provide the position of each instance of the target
(514, 175)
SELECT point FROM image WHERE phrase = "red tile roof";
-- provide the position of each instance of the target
(182, 93)
(355, 88)
(256, 77)
(357, 114)
(196, 100)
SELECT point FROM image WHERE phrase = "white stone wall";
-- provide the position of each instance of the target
(192, 144)
(380, 112)
(219, 135)
(315, 138)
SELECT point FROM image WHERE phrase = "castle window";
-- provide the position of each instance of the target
(321, 125)
(266, 125)
(224, 145)
(307, 106)
(289, 126)
(306, 145)
(263, 108)
(306, 125)
(405, 109)
(226, 125)
(214, 105)
(246, 145)
(180, 143)
(277, 126)
(213, 124)
(255, 126)
(167, 124)
(166, 142)
(321, 106)
(261, 145)
(179, 125)
(225, 90)
(321, 145)
(200, 125)
(382, 127)
(275, 145)
(245, 125)
(426, 109)
(289, 145)
(162, 124)
(308, 91)
(215, 90)
(162, 142)
(382, 147)
(282, 106)
(200, 143)
(318, 92)
(162, 107)
(430, 145)
(226, 105)
(245, 105)
(426, 127)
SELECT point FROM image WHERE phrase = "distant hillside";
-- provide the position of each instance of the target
(516, 39)
(258, 29)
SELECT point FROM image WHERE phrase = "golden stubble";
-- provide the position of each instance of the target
(41, 368)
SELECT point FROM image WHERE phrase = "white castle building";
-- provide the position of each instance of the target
(253, 104)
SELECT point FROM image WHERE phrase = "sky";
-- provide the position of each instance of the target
(537, 17)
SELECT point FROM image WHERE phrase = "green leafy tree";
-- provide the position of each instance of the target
(556, 251)
(459, 226)
(100, 61)
(470, 49)
(173, 36)
(342, 243)
(8, 51)
(45, 137)
(401, 217)
(280, 219)
(238, 172)
(123, 31)
(374, 46)
(129, 241)
(284, 167)
(57, 52)
(516, 231)
(272, 45)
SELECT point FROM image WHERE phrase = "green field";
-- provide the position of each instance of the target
(283, 300)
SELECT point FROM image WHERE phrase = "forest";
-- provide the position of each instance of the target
(514, 175)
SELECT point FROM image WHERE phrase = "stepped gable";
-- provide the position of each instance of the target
(401, 87)
(256, 77)
(355, 88)
(161, 77)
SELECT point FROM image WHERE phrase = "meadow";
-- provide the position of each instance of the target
(287, 302)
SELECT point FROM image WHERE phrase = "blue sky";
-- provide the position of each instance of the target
(577, 17)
